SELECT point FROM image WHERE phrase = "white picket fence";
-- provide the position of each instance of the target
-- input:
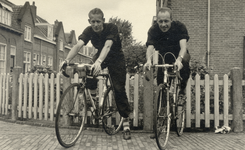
(38, 99)
(4, 98)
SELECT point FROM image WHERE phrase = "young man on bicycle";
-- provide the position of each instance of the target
(105, 38)
(169, 36)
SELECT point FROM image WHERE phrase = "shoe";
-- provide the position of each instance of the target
(153, 136)
(126, 134)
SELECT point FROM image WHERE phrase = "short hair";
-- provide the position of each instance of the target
(165, 9)
(96, 11)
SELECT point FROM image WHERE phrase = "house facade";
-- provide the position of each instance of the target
(27, 40)
(216, 29)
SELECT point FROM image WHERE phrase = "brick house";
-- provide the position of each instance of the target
(27, 40)
(216, 29)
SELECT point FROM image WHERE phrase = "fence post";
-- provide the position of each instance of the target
(15, 91)
(148, 101)
(237, 123)
(66, 84)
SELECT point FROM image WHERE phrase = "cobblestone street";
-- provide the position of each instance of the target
(28, 137)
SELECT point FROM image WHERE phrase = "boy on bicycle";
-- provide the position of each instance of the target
(165, 36)
(105, 38)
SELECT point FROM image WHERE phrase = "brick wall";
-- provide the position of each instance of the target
(226, 32)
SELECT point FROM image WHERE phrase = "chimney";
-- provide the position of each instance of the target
(34, 10)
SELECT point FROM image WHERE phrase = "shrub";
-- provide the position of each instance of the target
(43, 70)
(198, 67)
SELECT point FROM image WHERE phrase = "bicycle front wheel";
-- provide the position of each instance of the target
(161, 120)
(70, 116)
(112, 121)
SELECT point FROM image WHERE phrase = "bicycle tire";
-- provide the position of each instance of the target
(111, 121)
(70, 117)
(180, 111)
(162, 120)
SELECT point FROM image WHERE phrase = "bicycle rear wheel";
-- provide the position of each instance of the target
(161, 120)
(70, 116)
(112, 121)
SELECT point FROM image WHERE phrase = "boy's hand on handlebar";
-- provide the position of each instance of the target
(179, 64)
(147, 65)
(64, 64)
(96, 67)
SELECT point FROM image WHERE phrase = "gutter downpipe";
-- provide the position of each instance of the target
(208, 40)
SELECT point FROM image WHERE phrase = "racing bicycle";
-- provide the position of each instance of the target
(76, 101)
(167, 106)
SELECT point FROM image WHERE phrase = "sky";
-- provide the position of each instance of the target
(74, 13)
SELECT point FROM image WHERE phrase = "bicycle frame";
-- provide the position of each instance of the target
(108, 83)
(171, 85)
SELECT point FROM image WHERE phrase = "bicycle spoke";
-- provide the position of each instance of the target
(162, 117)
(111, 119)
(70, 116)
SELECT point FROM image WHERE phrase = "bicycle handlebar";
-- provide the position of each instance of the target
(77, 66)
(166, 66)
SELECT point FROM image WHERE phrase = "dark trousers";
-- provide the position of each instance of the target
(117, 71)
(184, 73)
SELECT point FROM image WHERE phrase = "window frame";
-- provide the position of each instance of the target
(50, 61)
(27, 61)
(13, 53)
(43, 59)
(27, 34)
(4, 60)
(60, 61)
(50, 32)
(5, 16)
(61, 45)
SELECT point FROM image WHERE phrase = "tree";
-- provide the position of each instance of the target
(135, 53)
(124, 29)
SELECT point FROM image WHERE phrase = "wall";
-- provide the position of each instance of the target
(9, 38)
(227, 31)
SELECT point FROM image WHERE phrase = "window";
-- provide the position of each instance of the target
(2, 58)
(61, 45)
(35, 59)
(50, 61)
(43, 61)
(27, 33)
(60, 61)
(50, 33)
(5, 16)
(12, 57)
(27, 62)
(38, 60)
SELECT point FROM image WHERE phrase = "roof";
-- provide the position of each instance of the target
(15, 25)
(8, 7)
(67, 36)
(40, 30)
(40, 20)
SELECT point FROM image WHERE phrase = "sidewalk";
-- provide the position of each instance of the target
(14, 135)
